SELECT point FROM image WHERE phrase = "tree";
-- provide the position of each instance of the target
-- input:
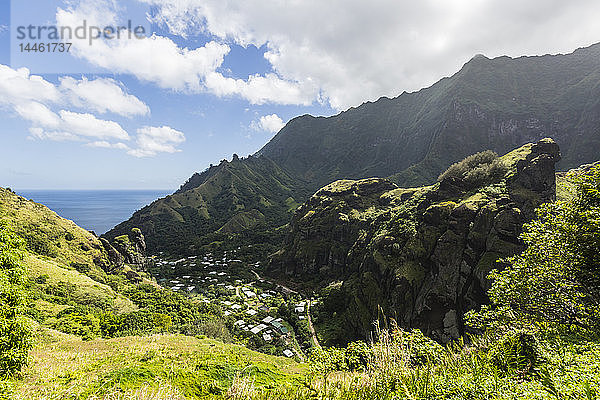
(15, 336)
(556, 279)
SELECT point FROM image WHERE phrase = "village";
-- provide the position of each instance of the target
(260, 314)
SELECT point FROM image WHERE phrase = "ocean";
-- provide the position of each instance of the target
(94, 210)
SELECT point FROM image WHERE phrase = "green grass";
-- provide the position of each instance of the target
(48, 234)
(160, 366)
(182, 367)
(86, 290)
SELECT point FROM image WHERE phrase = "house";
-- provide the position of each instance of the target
(288, 353)
(236, 307)
(251, 312)
(267, 320)
(258, 328)
(267, 337)
(280, 327)
(239, 322)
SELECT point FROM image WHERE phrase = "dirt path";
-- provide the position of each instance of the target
(311, 328)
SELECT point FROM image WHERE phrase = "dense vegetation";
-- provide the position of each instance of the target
(244, 201)
(14, 333)
(538, 339)
(475, 171)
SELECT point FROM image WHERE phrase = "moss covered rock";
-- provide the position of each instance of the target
(420, 256)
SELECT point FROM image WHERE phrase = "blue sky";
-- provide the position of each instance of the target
(221, 77)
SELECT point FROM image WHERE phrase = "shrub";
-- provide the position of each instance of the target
(420, 349)
(357, 355)
(15, 336)
(517, 352)
(556, 279)
(476, 170)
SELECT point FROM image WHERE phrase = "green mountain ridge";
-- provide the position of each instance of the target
(252, 195)
(490, 104)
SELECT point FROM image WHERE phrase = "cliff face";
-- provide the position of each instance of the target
(418, 255)
(496, 104)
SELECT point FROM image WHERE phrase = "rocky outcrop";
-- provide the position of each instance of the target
(116, 259)
(420, 256)
(126, 255)
(132, 247)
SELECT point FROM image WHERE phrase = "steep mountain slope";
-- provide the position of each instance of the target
(418, 255)
(242, 197)
(48, 235)
(496, 104)
(68, 267)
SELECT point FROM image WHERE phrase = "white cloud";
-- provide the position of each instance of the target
(102, 95)
(159, 60)
(353, 50)
(268, 123)
(107, 145)
(19, 86)
(88, 125)
(32, 98)
(153, 140)
(68, 125)
(37, 113)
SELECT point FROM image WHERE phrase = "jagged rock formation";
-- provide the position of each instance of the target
(127, 254)
(418, 255)
(490, 104)
(132, 247)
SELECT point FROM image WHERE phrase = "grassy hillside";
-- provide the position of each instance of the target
(400, 365)
(243, 200)
(48, 234)
(151, 367)
(47, 277)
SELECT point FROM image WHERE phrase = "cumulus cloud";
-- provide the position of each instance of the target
(107, 145)
(37, 113)
(102, 95)
(268, 123)
(68, 125)
(160, 60)
(32, 98)
(153, 140)
(20, 90)
(354, 51)
(18, 86)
